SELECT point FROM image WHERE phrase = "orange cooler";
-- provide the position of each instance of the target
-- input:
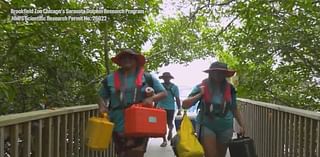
(142, 121)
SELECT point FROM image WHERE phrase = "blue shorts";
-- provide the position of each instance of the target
(223, 137)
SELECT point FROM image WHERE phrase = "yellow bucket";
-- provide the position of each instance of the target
(99, 132)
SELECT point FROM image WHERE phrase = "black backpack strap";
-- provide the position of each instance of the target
(106, 87)
(204, 106)
(168, 88)
(149, 79)
(105, 83)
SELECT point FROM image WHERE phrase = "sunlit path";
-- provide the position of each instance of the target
(154, 149)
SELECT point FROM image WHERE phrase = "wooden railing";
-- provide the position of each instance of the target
(280, 131)
(48, 133)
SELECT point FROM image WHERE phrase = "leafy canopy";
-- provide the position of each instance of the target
(273, 45)
(56, 64)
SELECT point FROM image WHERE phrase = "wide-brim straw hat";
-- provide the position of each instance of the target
(141, 60)
(218, 66)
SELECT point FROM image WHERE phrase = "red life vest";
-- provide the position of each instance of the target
(117, 81)
(208, 94)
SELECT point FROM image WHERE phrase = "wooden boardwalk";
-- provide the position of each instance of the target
(154, 149)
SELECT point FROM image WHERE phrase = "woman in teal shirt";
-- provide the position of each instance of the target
(122, 88)
(217, 109)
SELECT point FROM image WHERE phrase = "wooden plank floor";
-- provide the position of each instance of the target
(154, 149)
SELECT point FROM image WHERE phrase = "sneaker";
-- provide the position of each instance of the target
(163, 144)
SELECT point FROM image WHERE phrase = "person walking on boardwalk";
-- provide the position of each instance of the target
(169, 103)
(122, 88)
(218, 107)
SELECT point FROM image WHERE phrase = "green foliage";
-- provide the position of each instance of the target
(180, 41)
(273, 45)
(61, 63)
(281, 40)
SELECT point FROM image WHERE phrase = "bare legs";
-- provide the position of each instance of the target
(169, 137)
(209, 144)
(212, 146)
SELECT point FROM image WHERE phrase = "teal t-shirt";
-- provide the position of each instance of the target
(217, 124)
(128, 83)
(169, 102)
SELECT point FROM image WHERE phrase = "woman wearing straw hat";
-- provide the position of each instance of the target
(122, 88)
(169, 103)
(217, 109)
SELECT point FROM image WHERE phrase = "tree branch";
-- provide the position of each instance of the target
(193, 15)
(14, 81)
(223, 29)
(223, 4)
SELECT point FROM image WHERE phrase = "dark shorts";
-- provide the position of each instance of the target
(124, 144)
(170, 116)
